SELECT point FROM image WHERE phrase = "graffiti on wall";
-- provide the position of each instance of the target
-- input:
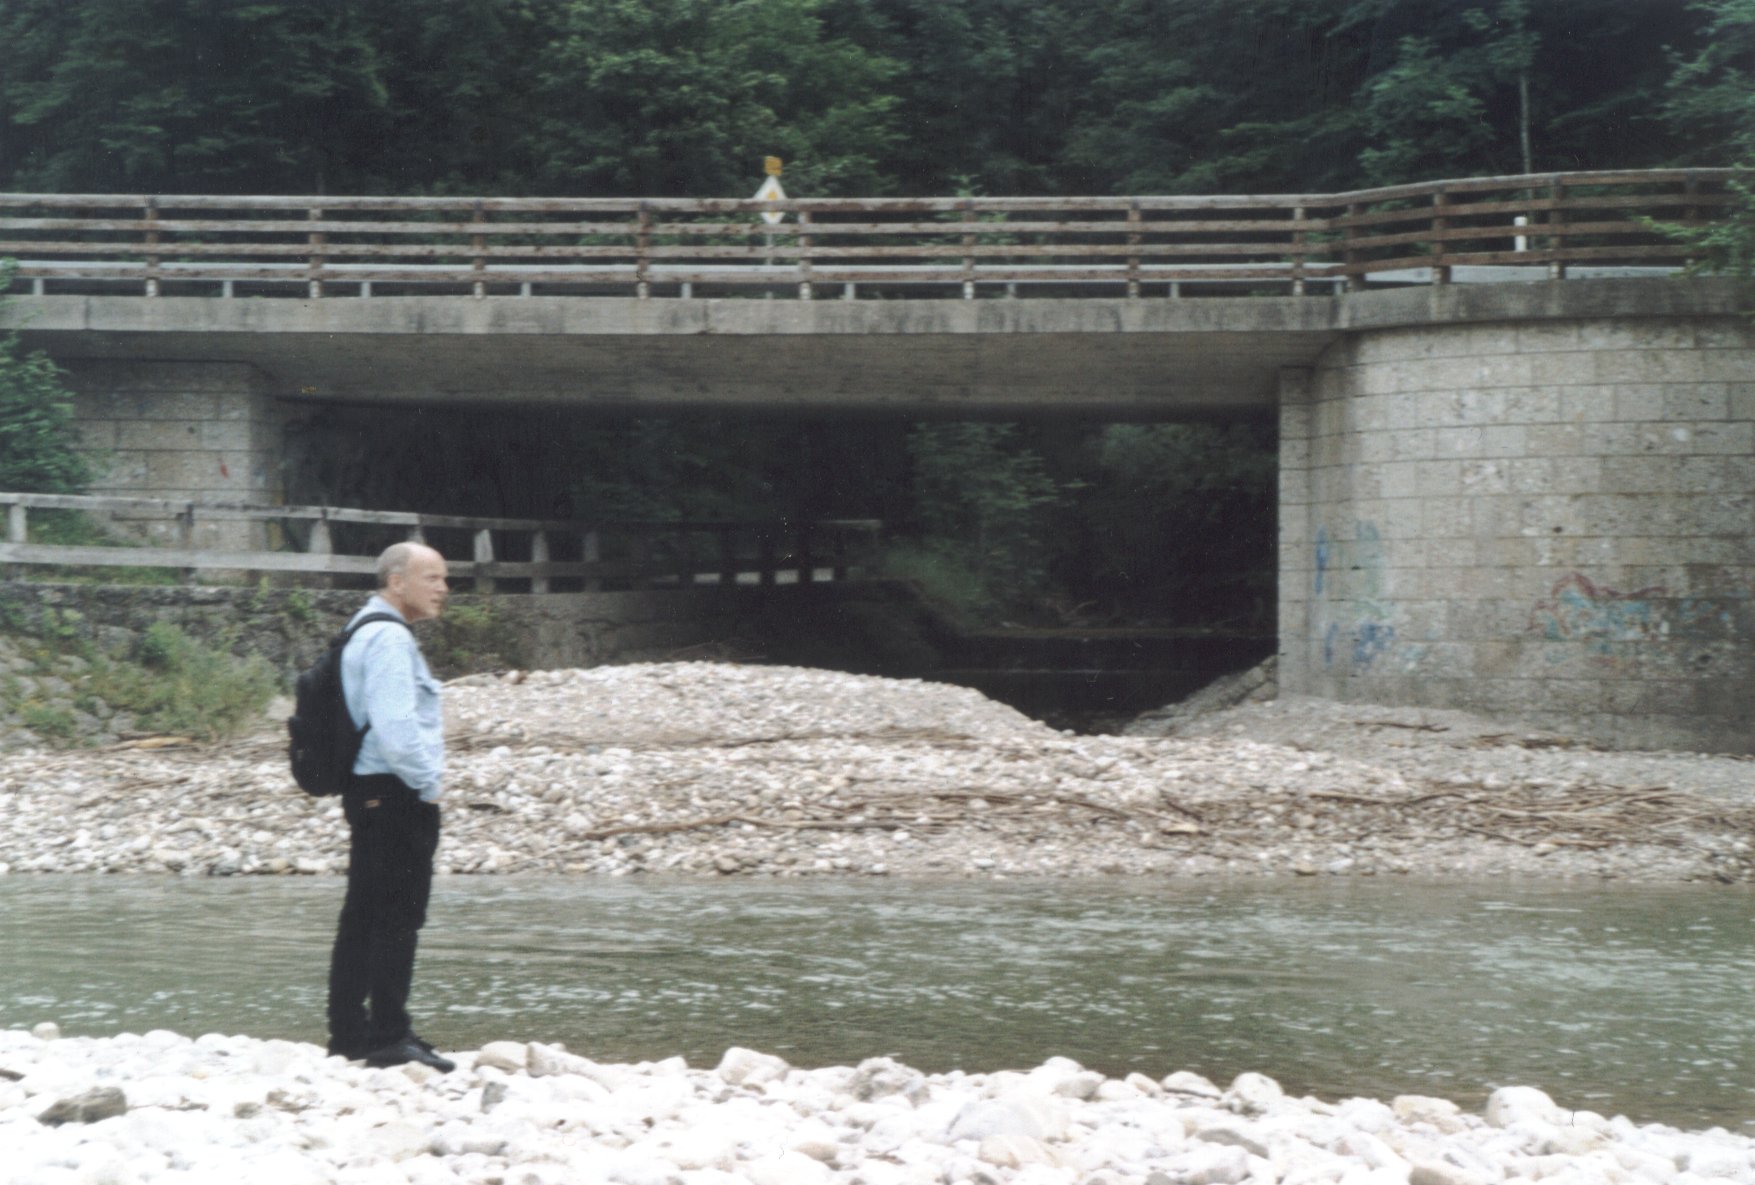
(1609, 622)
(1352, 616)
(1579, 609)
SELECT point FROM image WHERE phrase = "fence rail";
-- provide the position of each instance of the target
(1553, 225)
(541, 555)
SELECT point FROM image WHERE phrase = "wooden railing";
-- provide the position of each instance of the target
(1549, 225)
(542, 556)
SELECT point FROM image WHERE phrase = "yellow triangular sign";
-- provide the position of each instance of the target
(771, 192)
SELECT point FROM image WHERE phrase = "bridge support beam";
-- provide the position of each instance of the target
(182, 431)
(1549, 521)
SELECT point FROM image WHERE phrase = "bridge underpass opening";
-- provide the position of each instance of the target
(1080, 570)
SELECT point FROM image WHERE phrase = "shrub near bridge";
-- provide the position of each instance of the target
(39, 451)
(63, 692)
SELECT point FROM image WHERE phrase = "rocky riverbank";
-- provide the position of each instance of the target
(137, 1110)
(719, 769)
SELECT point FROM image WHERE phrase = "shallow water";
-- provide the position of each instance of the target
(1623, 1000)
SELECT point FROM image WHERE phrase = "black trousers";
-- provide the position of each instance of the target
(394, 836)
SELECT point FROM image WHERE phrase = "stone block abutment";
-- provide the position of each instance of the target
(1546, 520)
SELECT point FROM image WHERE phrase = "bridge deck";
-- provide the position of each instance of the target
(1113, 358)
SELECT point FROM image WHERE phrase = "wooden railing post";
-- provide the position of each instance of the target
(1440, 244)
(478, 244)
(643, 254)
(1350, 248)
(152, 242)
(804, 285)
(484, 554)
(317, 240)
(1300, 246)
(17, 531)
(1133, 248)
(186, 537)
(539, 556)
(969, 250)
(1557, 243)
(1690, 211)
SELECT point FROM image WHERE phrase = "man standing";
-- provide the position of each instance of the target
(392, 814)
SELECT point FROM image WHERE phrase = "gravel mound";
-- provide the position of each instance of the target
(717, 703)
(717, 769)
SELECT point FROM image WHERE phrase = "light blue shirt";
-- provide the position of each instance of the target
(387, 684)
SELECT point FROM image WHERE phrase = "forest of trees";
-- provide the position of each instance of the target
(874, 97)
(685, 97)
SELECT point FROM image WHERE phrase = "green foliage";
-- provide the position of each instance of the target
(38, 440)
(1726, 246)
(472, 638)
(684, 97)
(987, 502)
(175, 684)
(299, 607)
(1177, 524)
(940, 570)
(191, 95)
(688, 96)
(53, 723)
(1710, 101)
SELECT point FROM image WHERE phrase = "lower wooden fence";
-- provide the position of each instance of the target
(492, 554)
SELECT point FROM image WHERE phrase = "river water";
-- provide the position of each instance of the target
(1623, 1000)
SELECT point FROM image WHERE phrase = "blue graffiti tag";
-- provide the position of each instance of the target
(1372, 641)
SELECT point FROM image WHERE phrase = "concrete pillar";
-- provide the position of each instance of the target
(186, 431)
(1552, 521)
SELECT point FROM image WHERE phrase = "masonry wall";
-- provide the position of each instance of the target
(207, 431)
(1548, 521)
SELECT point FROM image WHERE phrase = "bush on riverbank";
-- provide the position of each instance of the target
(63, 691)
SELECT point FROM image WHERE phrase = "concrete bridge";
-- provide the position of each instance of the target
(1518, 457)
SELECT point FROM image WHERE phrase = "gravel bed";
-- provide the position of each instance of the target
(720, 769)
(160, 1107)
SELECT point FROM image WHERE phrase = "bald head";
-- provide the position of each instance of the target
(412, 578)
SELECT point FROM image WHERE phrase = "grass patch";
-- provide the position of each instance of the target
(175, 684)
(50, 722)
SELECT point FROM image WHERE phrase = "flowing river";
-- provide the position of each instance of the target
(1623, 1000)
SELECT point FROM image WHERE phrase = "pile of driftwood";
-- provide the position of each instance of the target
(1582, 816)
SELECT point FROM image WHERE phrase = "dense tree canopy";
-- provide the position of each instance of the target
(684, 97)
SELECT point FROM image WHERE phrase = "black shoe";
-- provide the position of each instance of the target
(352, 1052)
(409, 1049)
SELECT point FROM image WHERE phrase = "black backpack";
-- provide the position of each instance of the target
(324, 741)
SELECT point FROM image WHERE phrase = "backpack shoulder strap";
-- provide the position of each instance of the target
(346, 635)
